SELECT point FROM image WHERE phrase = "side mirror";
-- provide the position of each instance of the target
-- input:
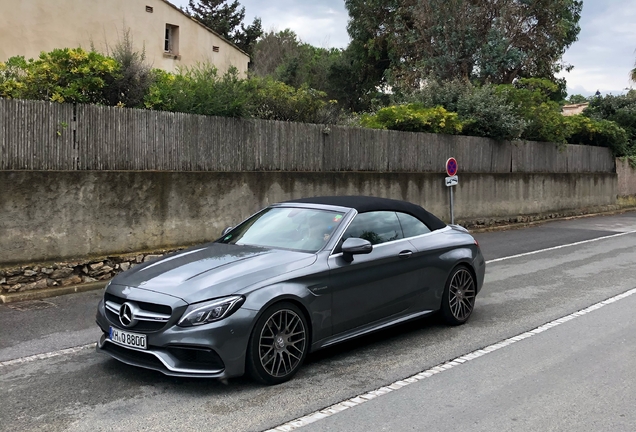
(226, 230)
(355, 246)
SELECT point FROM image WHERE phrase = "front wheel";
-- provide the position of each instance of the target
(458, 300)
(278, 344)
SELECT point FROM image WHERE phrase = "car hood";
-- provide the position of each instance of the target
(213, 270)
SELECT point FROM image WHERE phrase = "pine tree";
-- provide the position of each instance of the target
(226, 18)
(222, 16)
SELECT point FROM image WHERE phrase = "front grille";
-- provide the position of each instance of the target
(150, 307)
(145, 326)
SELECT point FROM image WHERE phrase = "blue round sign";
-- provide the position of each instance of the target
(451, 167)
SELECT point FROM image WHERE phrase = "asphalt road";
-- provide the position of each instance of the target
(579, 376)
(83, 390)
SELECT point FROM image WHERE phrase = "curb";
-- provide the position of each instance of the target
(520, 225)
(51, 292)
(92, 286)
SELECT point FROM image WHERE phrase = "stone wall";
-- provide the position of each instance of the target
(60, 274)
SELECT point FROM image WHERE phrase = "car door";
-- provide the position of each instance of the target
(426, 257)
(378, 285)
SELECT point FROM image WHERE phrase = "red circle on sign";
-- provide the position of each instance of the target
(451, 167)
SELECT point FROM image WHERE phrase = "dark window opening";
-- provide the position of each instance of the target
(171, 40)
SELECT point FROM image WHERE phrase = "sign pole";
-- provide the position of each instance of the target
(451, 181)
(452, 210)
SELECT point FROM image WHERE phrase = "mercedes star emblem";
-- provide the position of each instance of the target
(127, 315)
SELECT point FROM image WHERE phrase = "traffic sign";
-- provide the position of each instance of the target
(451, 167)
(452, 181)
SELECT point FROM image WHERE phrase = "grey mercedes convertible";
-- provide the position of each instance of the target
(291, 279)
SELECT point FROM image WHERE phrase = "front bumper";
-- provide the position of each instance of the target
(215, 350)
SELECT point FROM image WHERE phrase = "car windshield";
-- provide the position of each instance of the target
(301, 229)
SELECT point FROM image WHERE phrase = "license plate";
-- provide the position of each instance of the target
(133, 340)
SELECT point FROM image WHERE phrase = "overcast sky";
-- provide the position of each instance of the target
(602, 57)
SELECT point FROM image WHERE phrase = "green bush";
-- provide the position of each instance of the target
(414, 118)
(12, 73)
(199, 90)
(135, 78)
(446, 94)
(535, 101)
(485, 113)
(620, 109)
(274, 100)
(482, 110)
(63, 75)
(603, 133)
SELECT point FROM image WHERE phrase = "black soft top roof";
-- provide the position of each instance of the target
(365, 204)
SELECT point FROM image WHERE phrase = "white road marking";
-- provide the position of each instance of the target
(360, 399)
(47, 355)
(559, 247)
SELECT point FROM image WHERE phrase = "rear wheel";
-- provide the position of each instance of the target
(458, 300)
(278, 344)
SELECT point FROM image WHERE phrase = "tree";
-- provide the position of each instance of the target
(247, 38)
(226, 18)
(577, 99)
(273, 50)
(620, 109)
(373, 48)
(284, 57)
(492, 41)
(222, 16)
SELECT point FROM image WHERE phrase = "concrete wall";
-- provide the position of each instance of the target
(28, 27)
(48, 215)
(626, 178)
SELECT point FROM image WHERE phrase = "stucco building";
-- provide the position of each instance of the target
(170, 38)
(573, 109)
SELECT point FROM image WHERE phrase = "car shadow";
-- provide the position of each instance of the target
(377, 339)
(379, 343)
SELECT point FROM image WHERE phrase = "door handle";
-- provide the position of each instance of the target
(405, 254)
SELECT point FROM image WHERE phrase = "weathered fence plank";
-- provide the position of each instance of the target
(36, 135)
(44, 136)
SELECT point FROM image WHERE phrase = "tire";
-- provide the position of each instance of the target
(278, 345)
(458, 300)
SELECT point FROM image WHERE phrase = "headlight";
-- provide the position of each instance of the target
(209, 311)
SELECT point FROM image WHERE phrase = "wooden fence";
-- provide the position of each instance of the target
(48, 136)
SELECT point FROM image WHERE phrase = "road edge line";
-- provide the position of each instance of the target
(48, 355)
(458, 361)
(559, 247)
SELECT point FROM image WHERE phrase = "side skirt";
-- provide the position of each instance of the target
(361, 331)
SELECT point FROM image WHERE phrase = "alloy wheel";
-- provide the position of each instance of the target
(461, 294)
(282, 343)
